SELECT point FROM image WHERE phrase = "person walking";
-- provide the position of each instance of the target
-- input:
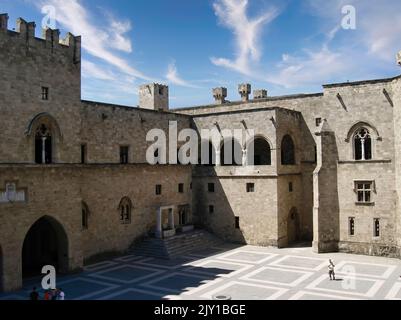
(34, 295)
(332, 273)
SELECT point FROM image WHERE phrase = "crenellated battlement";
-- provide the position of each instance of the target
(25, 31)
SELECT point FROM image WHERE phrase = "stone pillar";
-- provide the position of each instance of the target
(218, 158)
(12, 270)
(159, 228)
(244, 158)
(326, 213)
(171, 223)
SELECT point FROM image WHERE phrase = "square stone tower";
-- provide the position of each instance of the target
(154, 97)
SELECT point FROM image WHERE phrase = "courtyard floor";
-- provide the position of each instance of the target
(243, 273)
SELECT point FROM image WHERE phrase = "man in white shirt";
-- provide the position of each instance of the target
(331, 267)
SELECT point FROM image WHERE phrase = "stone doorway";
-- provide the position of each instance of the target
(46, 243)
(293, 227)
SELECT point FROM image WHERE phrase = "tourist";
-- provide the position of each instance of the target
(61, 294)
(48, 295)
(331, 267)
(34, 295)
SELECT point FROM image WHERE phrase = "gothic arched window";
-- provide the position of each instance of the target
(125, 209)
(287, 151)
(362, 145)
(43, 145)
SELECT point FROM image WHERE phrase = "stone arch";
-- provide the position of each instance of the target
(363, 135)
(259, 150)
(45, 243)
(293, 226)
(288, 151)
(235, 147)
(359, 125)
(46, 117)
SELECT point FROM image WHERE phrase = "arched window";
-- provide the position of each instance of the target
(259, 153)
(85, 216)
(124, 210)
(287, 151)
(362, 145)
(43, 145)
(231, 153)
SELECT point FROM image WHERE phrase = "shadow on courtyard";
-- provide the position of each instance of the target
(137, 278)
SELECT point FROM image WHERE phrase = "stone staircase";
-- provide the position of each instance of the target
(174, 247)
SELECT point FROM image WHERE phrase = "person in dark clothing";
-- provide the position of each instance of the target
(34, 295)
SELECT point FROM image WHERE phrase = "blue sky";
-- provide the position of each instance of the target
(284, 46)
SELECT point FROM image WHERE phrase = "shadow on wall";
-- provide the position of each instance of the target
(212, 209)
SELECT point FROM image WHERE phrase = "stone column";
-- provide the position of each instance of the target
(159, 228)
(171, 219)
(218, 158)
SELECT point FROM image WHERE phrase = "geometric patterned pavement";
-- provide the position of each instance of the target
(243, 273)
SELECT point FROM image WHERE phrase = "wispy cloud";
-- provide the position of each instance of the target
(99, 40)
(91, 70)
(233, 15)
(173, 77)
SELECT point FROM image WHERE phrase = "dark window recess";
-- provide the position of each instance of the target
(351, 226)
(158, 189)
(190, 186)
(85, 218)
(290, 187)
(250, 187)
(237, 224)
(83, 153)
(318, 122)
(45, 93)
(376, 228)
(211, 209)
(161, 91)
(210, 187)
(181, 188)
(124, 155)
(287, 151)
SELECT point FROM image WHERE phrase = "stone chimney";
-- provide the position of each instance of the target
(244, 90)
(399, 58)
(220, 95)
(260, 94)
(3, 21)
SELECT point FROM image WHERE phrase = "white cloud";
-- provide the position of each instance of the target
(311, 68)
(233, 15)
(91, 70)
(98, 40)
(173, 77)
